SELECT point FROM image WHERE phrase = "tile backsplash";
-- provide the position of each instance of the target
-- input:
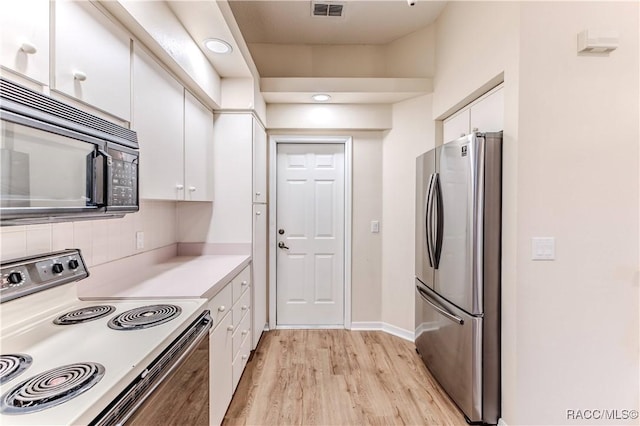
(100, 241)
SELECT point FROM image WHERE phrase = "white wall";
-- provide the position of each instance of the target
(412, 55)
(570, 327)
(412, 134)
(329, 116)
(578, 166)
(100, 241)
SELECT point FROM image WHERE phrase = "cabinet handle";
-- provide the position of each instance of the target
(243, 283)
(475, 129)
(192, 188)
(244, 307)
(258, 213)
(230, 328)
(28, 48)
(179, 187)
(221, 308)
(245, 356)
(258, 194)
(79, 75)
(245, 332)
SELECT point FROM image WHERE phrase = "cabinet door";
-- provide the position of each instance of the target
(24, 38)
(487, 115)
(456, 126)
(220, 370)
(158, 117)
(259, 265)
(198, 150)
(259, 163)
(232, 217)
(92, 58)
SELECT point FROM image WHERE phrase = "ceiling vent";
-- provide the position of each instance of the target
(327, 9)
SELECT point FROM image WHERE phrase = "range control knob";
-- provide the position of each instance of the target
(73, 264)
(57, 268)
(15, 278)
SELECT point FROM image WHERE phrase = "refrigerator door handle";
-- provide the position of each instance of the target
(439, 221)
(437, 307)
(428, 212)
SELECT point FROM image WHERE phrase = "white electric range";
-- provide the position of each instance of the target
(67, 361)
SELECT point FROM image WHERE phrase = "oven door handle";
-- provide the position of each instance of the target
(122, 409)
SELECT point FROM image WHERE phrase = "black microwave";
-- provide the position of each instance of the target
(59, 163)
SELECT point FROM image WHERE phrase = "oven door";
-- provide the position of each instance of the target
(173, 389)
(47, 170)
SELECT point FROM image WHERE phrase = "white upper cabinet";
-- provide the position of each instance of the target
(198, 150)
(259, 163)
(158, 117)
(24, 38)
(487, 115)
(456, 126)
(92, 58)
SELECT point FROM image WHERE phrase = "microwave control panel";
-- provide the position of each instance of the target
(124, 179)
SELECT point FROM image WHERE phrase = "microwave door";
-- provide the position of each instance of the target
(44, 172)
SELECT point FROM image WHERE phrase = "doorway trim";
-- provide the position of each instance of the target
(274, 140)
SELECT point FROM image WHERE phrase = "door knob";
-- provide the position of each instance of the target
(281, 245)
(281, 231)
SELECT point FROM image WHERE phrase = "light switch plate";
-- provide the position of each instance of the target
(543, 248)
(139, 240)
(375, 226)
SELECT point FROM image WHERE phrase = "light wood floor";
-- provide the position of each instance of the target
(338, 377)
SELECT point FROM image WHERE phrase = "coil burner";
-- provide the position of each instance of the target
(51, 388)
(81, 315)
(144, 317)
(12, 365)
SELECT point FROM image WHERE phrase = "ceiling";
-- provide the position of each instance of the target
(363, 21)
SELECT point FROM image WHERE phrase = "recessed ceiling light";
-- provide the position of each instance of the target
(217, 46)
(320, 97)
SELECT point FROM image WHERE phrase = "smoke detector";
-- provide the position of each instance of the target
(327, 9)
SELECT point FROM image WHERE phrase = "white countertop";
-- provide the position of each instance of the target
(178, 277)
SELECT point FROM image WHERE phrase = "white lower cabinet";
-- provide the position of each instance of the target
(230, 342)
(220, 371)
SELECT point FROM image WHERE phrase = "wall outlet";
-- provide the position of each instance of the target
(543, 248)
(139, 240)
(375, 226)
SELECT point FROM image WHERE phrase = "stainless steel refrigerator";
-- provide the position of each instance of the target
(458, 234)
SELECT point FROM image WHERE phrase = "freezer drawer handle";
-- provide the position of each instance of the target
(438, 308)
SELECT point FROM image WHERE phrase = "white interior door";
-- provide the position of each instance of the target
(310, 234)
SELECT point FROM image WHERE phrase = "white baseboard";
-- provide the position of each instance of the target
(382, 326)
(501, 422)
(309, 327)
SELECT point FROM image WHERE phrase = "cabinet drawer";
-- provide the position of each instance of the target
(241, 282)
(220, 305)
(241, 333)
(240, 361)
(241, 307)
